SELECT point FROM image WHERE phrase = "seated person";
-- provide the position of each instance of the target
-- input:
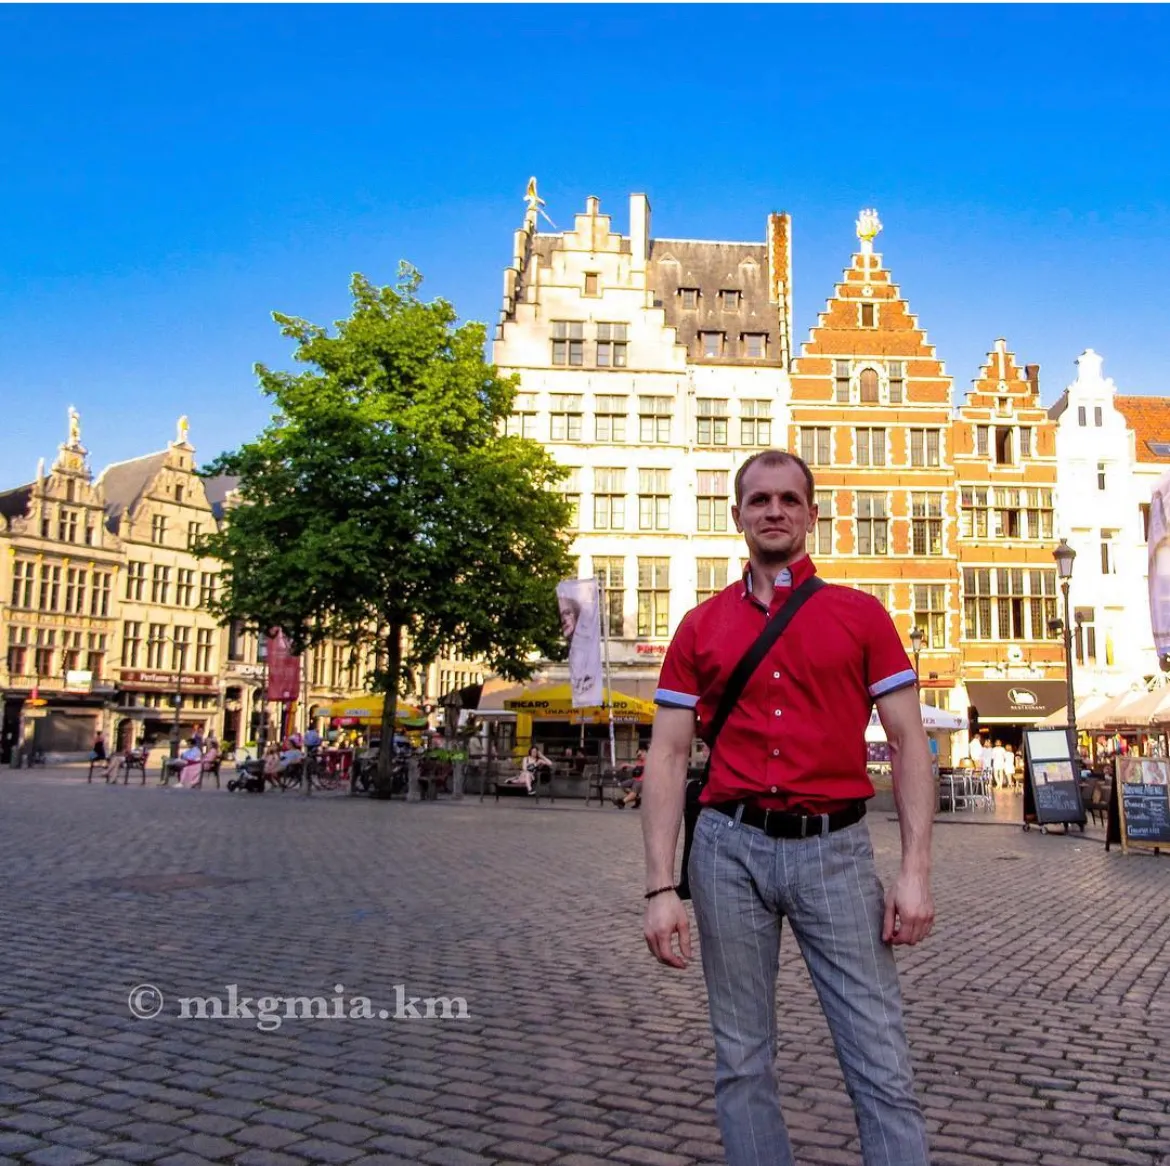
(533, 768)
(632, 784)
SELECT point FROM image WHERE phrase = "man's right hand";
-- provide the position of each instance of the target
(666, 917)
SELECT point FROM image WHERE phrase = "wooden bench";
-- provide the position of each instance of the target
(175, 765)
(134, 759)
(542, 786)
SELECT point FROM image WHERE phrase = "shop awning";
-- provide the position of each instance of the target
(1084, 706)
(554, 702)
(1015, 702)
(934, 720)
(366, 709)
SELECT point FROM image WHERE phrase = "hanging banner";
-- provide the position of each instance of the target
(579, 602)
(284, 669)
(1159, 552)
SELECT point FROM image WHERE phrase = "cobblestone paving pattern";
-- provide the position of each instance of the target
(1039, 1012)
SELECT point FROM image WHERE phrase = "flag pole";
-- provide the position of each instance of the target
(608, 676)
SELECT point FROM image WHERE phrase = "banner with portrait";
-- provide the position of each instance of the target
(284, 669)
(579, 603)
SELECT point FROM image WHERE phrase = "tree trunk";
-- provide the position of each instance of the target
(383, 778)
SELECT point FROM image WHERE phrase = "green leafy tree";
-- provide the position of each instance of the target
(383, 505)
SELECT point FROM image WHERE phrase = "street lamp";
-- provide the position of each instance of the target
(916, 638)
(181, 650)
(1064, 556)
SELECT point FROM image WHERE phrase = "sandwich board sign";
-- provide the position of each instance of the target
(1052, 791)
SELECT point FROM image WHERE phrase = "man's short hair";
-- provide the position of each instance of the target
(775, 457)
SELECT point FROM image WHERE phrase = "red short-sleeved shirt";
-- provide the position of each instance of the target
(796, 739)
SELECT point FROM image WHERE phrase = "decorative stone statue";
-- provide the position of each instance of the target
(868, 226)
(184, 430)
(74, 426)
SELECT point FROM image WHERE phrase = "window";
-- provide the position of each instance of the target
(880, 592)
(155, 643)
(869, 447)
(1025, 441)
(841, 382)
(926, 524)
(50, 588)
(70, 651)
(1085, 635)
(1108, 552)
(179, 646)
(924, 447)
(711, 496)
(568, 345)
(135, 581)
(17, 651)
(203, 649)
(867, 315)
(654, 420)
(611, 345)
(75, 587)
(1097, 418)
(207, 582)
(755, 345)
(193, 531)
(131, 643)
(70, 491)
(235, 647)
(710, 578)
(729, 300)
(43, 656)
(317, 666)
(1007, 522)
(158, 529)
(522, 422)
(897, 385)
(653, 499)
(592, 284)
(711, 344)
(871, 523)
(178, 493)
(822, 537)
(981, 440)
(1081, 416)
(610, 422)
(1100, 475)
(564, 421)
(1003, 446)
(1008, 603)
(814, 445)
(88, 533)
(336, 666)
(45, 525)
(1037, 504)
(612, 573)
(654, 597)
(96, 655)
(609, 499)
(688, 298)
(571, 492)
(755, 427)
(711, 421)
(160, 585)
(22, 583)
(67, 526)
(185, 587)
(867, 385)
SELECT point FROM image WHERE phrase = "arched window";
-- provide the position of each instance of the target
(868, 383)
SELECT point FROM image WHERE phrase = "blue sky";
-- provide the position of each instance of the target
(171, 175)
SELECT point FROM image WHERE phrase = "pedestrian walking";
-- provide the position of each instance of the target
(781, 832)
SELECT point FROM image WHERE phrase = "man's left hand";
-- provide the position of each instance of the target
(909, 910)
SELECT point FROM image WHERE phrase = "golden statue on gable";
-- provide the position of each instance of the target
(868, 227)
(184, 430)
(74, 426)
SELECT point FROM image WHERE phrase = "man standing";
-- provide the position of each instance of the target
(782, 836)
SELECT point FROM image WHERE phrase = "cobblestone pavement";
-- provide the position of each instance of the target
(1038, 1012)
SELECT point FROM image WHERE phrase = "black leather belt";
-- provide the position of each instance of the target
(780, 824)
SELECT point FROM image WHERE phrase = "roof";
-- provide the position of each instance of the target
(1149, 418)
(125, 482)
(14, 503)
(217, 489)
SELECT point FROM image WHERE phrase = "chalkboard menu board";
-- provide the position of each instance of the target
(1052, 792)
(1140, 807)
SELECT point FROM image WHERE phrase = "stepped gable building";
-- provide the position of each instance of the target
(156, 505)
(871, 414)
(1004, 454)
(59, 574)
(650, 368)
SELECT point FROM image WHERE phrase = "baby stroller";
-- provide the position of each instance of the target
(249, 777)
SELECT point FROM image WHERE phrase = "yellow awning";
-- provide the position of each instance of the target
(369, 706)
(555, 702)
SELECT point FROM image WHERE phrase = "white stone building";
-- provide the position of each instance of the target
(650, 368)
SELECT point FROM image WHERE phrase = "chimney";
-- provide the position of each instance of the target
(639, 231)
(1032, 376)
(593, 205)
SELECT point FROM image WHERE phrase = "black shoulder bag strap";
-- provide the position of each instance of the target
(736, 683)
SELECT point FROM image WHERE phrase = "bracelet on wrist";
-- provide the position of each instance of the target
(659, 891)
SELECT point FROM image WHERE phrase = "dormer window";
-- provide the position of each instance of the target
(592, 283)
(729, 300)
(688, 298)
(755, 345)
(867, 315)
(711, 343)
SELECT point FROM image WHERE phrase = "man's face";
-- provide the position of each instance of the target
(776, 515)
(568, 619)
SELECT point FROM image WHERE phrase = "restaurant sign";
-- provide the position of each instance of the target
(650, 649)
(140, 681)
